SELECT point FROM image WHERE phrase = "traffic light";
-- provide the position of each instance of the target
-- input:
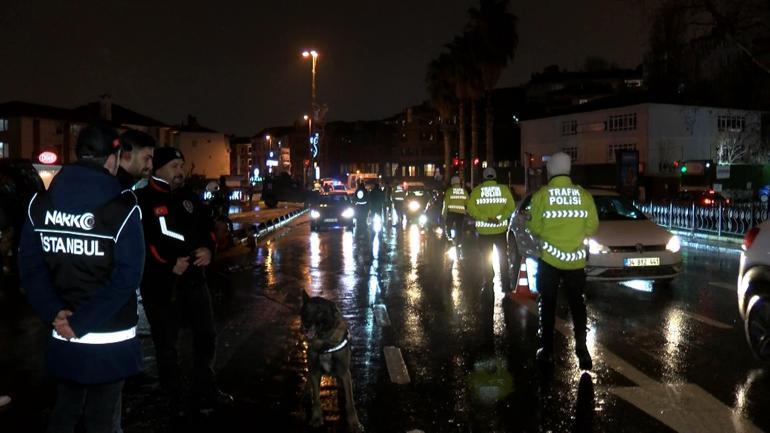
(456, 161)
(683, 169)
(475, 161)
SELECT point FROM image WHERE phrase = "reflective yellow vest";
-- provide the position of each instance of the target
(563, 215)
(454, 200)
(491, 205)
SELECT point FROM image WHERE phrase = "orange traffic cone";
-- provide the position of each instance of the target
(522, 283)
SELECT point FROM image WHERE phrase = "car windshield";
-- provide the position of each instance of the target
(334, 199)
(615, 208)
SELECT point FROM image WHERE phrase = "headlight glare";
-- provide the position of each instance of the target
(674, 244)
(414, 206)
(595, 247)
(315, 214)
(348, 213)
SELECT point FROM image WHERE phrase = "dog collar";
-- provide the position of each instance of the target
(342, 344)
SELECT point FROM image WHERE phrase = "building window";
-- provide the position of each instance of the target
(430, 170)
(731, 123)
(614, 147)
(3, 125)
(572, 152)
(569, 127)
(3, 149)
(623, 122)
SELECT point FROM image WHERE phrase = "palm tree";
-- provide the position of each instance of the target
(440, 87)
(494, 37)
(467, 83)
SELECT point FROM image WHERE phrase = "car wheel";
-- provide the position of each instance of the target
(757, 327)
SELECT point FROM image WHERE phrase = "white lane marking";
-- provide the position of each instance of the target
(667, 403)
(381, 315)
(727, 286)
(706, 320)
(396, 366)
(685, 408)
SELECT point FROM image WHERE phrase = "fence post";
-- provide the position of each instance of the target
(670, 215)
(719, 220)
(693, 218)
(751, 215)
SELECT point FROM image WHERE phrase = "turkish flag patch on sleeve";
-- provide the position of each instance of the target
(161, 211)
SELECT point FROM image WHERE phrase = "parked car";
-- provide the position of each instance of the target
(627, 245)
(754, 289)
(19, 181)
(332, 210)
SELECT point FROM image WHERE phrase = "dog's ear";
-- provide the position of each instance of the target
(305, 297)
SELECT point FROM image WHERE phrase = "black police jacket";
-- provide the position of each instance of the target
(175, 225)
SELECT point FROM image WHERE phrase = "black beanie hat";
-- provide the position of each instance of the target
(164, 155)
(97, 141)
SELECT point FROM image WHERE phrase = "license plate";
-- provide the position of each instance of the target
(642, 261)
(330, 220)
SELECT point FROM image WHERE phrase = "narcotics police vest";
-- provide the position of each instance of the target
(78, 250)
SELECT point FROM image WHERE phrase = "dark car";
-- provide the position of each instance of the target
(701, 198)
(415, 203)
(19, 181)
(332, 210)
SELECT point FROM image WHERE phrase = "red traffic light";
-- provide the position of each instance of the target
(456, 162)
(47, 157)
(475, 161)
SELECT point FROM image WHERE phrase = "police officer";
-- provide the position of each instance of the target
(453, 210)
(135, 157)
(562, 216)
(180, 243)
(491, 205)
(81, 259)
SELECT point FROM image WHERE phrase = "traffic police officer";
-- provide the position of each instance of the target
(361, 202)
(453, 210)
(81, 259)
(180, 242)
(491, 205)
(563, 215)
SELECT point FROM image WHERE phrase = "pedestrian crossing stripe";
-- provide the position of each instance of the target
(549, 214)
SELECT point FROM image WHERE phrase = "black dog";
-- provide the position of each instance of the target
(328, 353)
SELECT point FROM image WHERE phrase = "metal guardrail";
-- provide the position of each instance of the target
(258, 230)
(733, 220)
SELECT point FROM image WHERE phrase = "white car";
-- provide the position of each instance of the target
(754, 289)
(627, 246)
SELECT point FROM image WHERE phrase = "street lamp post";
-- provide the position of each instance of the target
(314, 112)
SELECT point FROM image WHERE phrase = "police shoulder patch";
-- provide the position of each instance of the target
(161, 211)
(188, 206)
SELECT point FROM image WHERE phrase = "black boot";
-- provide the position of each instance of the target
(544, 356)
(583, 356)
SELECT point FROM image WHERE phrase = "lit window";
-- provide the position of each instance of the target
(3, 125)
(3, 149)
(430, 170)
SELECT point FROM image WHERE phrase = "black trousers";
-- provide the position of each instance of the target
(454, 221)
(549, 279)
(96, 404)
(486, 242)
(169, 306)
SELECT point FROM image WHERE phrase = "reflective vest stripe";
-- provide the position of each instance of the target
(549, 214)
(458, 197)
(164, 229)
(100, 337)
(494, 200)
(486, 224)
(456, 207)
(564, 256)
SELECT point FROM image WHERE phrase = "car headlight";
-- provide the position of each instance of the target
(348, 213)
(422, 220)
(315, 214)
(674, 244)
(596, 248)
(414, 205)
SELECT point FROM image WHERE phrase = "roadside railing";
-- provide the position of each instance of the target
(733, 220)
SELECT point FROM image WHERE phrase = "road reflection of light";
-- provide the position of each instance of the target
(413, 328)
(675, 328)
(451, 254)
(348, 261)
(742, 393)
(377, 223)
(640, 285)
(315, 261)
(269, 266)
(493, 257)
(456, 292)
(374, 282)
(414, 245)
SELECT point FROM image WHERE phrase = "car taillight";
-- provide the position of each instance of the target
(706, 201)
(749, 238)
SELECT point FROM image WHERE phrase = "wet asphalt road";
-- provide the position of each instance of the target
(664, 360)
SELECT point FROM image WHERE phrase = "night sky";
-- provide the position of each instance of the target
(236, 65)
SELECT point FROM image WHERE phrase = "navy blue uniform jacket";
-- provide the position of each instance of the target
(76, 189)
